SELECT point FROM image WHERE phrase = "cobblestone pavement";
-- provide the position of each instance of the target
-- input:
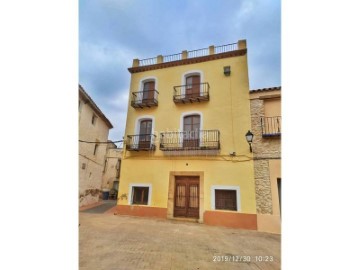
(114, 242)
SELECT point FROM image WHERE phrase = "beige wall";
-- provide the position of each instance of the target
(110, 171)
(272, 107)
(90, 165)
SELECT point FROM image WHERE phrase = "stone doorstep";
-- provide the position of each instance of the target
(194, 220)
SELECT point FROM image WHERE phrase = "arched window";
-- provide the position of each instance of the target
(144, 130)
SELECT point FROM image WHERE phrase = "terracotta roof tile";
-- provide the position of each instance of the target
(266, 89)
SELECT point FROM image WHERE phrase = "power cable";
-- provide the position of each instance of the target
(101, 142)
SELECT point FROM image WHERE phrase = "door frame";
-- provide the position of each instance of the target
(188, 182)
(171, 192)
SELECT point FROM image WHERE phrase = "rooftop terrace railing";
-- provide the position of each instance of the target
(241, 44)
(198, 53)
(172, 57)
(226, 48)
(148, 61)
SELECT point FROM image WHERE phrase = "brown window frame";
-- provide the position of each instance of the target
(222, 199)
(139, 194)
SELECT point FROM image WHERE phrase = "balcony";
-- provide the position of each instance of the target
(141, 142)
(144, 99)
(191, 93)
(190, 140)
(271, 126)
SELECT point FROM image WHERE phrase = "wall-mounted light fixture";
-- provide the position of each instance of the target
(249, 137)
(227, 71)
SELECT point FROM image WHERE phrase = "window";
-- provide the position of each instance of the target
(95, 148)
(105, 165)
(140, 195)
(225, 199)
(93, 119)
(116, 185)
(118, 164)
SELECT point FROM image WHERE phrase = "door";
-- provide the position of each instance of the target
(148, 91)
(186, 199)
(145, 134)
(191, 131)
(192, 86)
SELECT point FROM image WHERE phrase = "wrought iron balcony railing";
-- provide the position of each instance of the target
(140, 142)
(144, 99)
(271, 126)
(191, 93)
(190, 140)
(189, 54)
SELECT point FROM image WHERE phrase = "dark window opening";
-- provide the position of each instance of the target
(95, 148)
(279, 192)
(140, 195)
(118, 165)
(93, 119)
(105, 165)
(225, 199)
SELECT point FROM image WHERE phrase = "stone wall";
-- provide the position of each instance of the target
(263, 187)
(264, 149)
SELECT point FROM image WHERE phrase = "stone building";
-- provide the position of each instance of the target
(265, 107)
(111, 172)
(93, 127)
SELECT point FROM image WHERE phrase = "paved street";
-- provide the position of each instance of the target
(114, 242)
(101, 208)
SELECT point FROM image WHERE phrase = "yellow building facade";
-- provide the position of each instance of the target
(185, 153)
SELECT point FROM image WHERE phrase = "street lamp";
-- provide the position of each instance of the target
(249, 137)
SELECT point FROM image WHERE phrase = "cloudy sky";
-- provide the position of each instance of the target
(113, 32)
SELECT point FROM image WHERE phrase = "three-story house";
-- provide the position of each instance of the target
(185, 153)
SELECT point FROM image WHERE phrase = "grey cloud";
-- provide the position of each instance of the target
(114, 32)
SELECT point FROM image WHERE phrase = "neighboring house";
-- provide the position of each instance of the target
(185, 153)
(111, 172)
(266, 127)
(93, 127)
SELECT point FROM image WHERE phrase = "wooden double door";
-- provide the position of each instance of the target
(186, 199)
